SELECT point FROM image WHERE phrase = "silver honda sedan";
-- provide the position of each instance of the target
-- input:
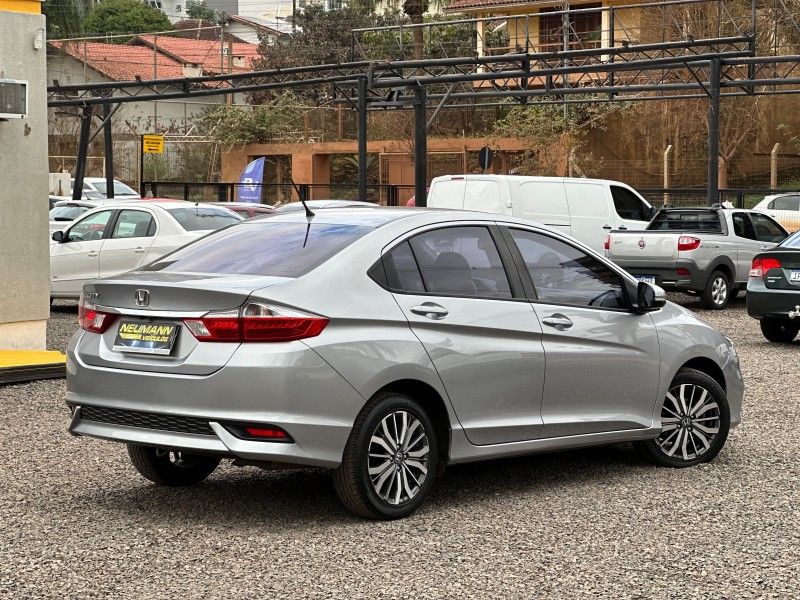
(385, 344)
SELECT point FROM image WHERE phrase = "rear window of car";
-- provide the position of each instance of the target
(204, 218)
(793, 241)
(689, 220)
(276, 249)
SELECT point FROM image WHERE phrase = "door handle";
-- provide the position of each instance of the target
(430, 310)
(608, 227)
(139, 251)
(93, 254)
(623, 228)
(558, 322)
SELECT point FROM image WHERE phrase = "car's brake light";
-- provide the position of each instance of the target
(762, 266)
(607, 242)
(256, 323)
(688, 242)
(91, 319)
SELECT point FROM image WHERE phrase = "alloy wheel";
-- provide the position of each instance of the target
(690, 421)
(719, 291)
(398, 457)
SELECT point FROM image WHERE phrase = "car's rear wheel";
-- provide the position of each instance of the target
(169, 467)
(781, 331)
(717, 292)
(695, 420)
(390, 460)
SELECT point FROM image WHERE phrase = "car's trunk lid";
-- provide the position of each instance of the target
(153, 298)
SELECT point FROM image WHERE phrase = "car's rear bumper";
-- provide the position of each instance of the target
(668, 278)
(291, 387)
(764, 302)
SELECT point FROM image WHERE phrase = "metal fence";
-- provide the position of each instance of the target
(278, 193)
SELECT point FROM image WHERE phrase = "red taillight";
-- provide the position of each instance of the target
(256, 323)
(91, 319)
(267, 433)
(687, 242)
(762, 266)
(683, 272)
(607, 242)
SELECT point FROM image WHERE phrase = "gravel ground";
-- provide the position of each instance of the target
(78, 522)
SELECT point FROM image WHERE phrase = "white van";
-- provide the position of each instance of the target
(586, 209)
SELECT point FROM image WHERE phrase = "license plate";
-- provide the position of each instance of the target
(647, 278)
(794, 275)
(145, 337)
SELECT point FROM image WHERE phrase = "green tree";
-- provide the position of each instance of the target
(197, 9)
(125, 16)
(65, 17)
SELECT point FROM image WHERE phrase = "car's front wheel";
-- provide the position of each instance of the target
(781, 331)
(695, 420)
(390, 460)
(171, 468)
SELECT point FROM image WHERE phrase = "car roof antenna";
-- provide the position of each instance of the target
(309, 213)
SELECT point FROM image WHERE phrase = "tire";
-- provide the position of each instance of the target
(717, 292)
(174, 469)
(734, 293)
(405, 481)
(702, 429)
(780, 331)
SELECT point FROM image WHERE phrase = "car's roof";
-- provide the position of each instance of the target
(164, 203)
(86, 203)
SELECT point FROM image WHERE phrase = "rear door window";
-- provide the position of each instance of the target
(134, 224)
(766, 229)
(263, 248)
(786, 203)
(742, 226)
(686, 220)
(628, 205)
(402, 272)
(461, 261)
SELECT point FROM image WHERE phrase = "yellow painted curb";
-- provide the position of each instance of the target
(30, 358)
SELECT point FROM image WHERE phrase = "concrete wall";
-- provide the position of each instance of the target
(24, 253)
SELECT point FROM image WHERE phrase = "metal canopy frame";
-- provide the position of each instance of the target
(707, 68)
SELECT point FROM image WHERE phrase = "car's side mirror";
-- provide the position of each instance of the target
(649, 297)
(58, 236)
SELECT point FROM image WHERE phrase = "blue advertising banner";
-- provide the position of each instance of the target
(249, 188)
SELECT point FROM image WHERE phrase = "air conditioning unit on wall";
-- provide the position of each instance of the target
(13, 99)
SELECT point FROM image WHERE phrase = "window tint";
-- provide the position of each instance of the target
(686, 220)
(461, 261)
(628, 205)
(563, 274)
(742, 226)
(134, 224)
(786, 203)
(204, 218)
(90, 228)
(766, 229)
(401, 270)
(263, 248)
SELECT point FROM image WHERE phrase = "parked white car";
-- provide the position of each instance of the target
(97, 185)
(784, 208)
(586, 209)
(117, 237)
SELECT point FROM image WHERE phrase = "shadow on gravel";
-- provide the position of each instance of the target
(305, 498)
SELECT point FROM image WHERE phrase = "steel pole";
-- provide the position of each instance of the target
(83, 150)
(362, 139)
(713, 132)
(420, 147)
(109, 151)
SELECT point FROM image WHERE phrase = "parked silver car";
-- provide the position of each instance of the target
(387, 343)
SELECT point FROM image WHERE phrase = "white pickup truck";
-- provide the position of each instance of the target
(702, 251)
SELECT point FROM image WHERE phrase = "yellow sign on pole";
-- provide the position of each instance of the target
(153, 144)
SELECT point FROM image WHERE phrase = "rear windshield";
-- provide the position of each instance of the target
(689, 220)
(793, 241)
(204, 218)
(67, 213)
(277, 249)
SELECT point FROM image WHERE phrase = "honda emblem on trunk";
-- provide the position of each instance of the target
(642, 243)
(141, 297)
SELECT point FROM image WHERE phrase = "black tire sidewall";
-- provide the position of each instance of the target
(160, 470)
(779, 331)
(390, 404)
